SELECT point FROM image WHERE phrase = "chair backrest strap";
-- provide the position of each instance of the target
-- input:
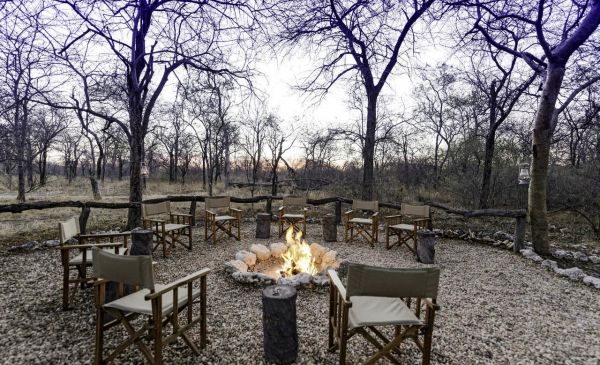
(216, 203)
(370, 205)
(294, 201)
(156, 208)
(366, 280)
(133, 270)
(68, 229)
(415, 210)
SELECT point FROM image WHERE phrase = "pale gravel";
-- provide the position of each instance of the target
(497, 308)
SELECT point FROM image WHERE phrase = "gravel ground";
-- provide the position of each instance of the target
(496, 308)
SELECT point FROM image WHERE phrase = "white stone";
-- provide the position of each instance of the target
(594, 259)
(252, 277)
(235, 265)
(560, 254)
(328, 258)
(318, 251)
(277, 249)
(528, 253)
(550, 264)
(320, 280)
(573, 273)
(261, 251)
(248, 257)
(581, 256)
(593, 281)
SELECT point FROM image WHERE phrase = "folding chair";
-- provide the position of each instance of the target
(292, 213)
(167, 227)
(378, 297)
(406, 225)
(219, 216)
(162, 304)
(81, 261)
(368, 228)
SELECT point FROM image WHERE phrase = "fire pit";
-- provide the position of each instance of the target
(296, 263)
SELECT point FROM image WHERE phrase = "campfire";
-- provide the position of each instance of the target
(292, 263)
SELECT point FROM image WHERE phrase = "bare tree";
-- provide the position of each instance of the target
(363, 38)
(558, 35)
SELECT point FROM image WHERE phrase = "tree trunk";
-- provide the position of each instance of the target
(369, 148)
(29, 162)
(44, 166)
(20, 123)
(134, 217)
(120, 167)
(490, 142)
(542, 135)
(95, 188)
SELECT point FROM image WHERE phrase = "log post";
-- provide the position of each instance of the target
(83, 218)
(263, 225)
(193, 212)
(426, 246)
(519, 242)
(329, 228)
(338, 211)
(279, 324)
(269, 208)
(141, 242)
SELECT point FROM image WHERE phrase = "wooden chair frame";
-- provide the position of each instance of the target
(340, 334)
(221, 225)
(156, 323)
(415, 218)
(70, 230)
(286, 222)
(167, 232)
(368, 230)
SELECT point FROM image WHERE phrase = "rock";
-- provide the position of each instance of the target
(560, 254)
(564, 230)
(320, 280)
(573, 273)
(27, 246)
(550, 264)
(529, 254)
(343, 267)
(503, 236)
(277, 249)
(592, 281)
(296, 280)
(253, 278)
(594, 259)
(552, 228)
(51, 243)
(261, 251)
(580, 256)
(328, 258)
(235, 265)
(318, 251)
(247, 257)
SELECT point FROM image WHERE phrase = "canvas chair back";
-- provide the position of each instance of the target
(132, 270)
(293, 204)
(156, 209)
(370, 205)
(217, 204)
(415, 210)
(366, 280)
(68, 229)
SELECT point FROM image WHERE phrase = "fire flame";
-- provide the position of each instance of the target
(298, 257)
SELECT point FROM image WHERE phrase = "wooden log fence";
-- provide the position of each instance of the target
(86, 206)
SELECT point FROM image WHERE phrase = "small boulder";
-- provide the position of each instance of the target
(235, 265)
(592, 281)
(594, 259)
(560, 254)
(277, 249)
(550, 264)
(320, 280)
(318, 251)
(261, 251)
(573, 273)
(328, 258)
(528, 253)
(580, 256)
(253, 278)
(247, 257)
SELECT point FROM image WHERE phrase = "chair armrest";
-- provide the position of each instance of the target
(154, 220)
(390, 220)
(421, 222)
(89, 246)
(104, 235)
(337, 283)
(177, 283)
(181, 215)
(235, 210)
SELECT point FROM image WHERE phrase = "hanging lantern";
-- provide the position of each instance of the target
(524, 174)
(144, 170)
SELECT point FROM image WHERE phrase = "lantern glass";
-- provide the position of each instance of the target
(144, 170)
(524, 174)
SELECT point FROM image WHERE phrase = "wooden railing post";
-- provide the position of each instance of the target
(193, 212)
(338, 211)
(269, 204)
(519, 241)
(83, 218)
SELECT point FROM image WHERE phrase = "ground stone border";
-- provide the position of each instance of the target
(573, 273)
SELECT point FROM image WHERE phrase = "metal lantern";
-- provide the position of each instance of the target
(144, 170)
(524, 174)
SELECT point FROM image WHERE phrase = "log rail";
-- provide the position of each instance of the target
(86, 206)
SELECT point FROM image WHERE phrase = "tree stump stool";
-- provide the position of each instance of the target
(141, 242)
(426, 246)
(263, 225)
(279, 324)
(329, 228)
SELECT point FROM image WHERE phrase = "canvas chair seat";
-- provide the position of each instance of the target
(293, 216)
(361, 220)
(380, 311)
(174, 227)
(403, 227)
(78, 260)
(137, 304)
(220, 218)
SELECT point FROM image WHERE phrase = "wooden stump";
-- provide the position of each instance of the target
(263, 225)
(329, 228)
(426, 247)
(279, 324)
(519, 241)
(141, 242)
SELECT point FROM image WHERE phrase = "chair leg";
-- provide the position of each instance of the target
(343, 341)
(65, 299)
(157, 333)
(99, 336)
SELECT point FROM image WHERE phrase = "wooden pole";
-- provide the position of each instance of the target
(519, 241)
(338, 211)
(83, 218)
